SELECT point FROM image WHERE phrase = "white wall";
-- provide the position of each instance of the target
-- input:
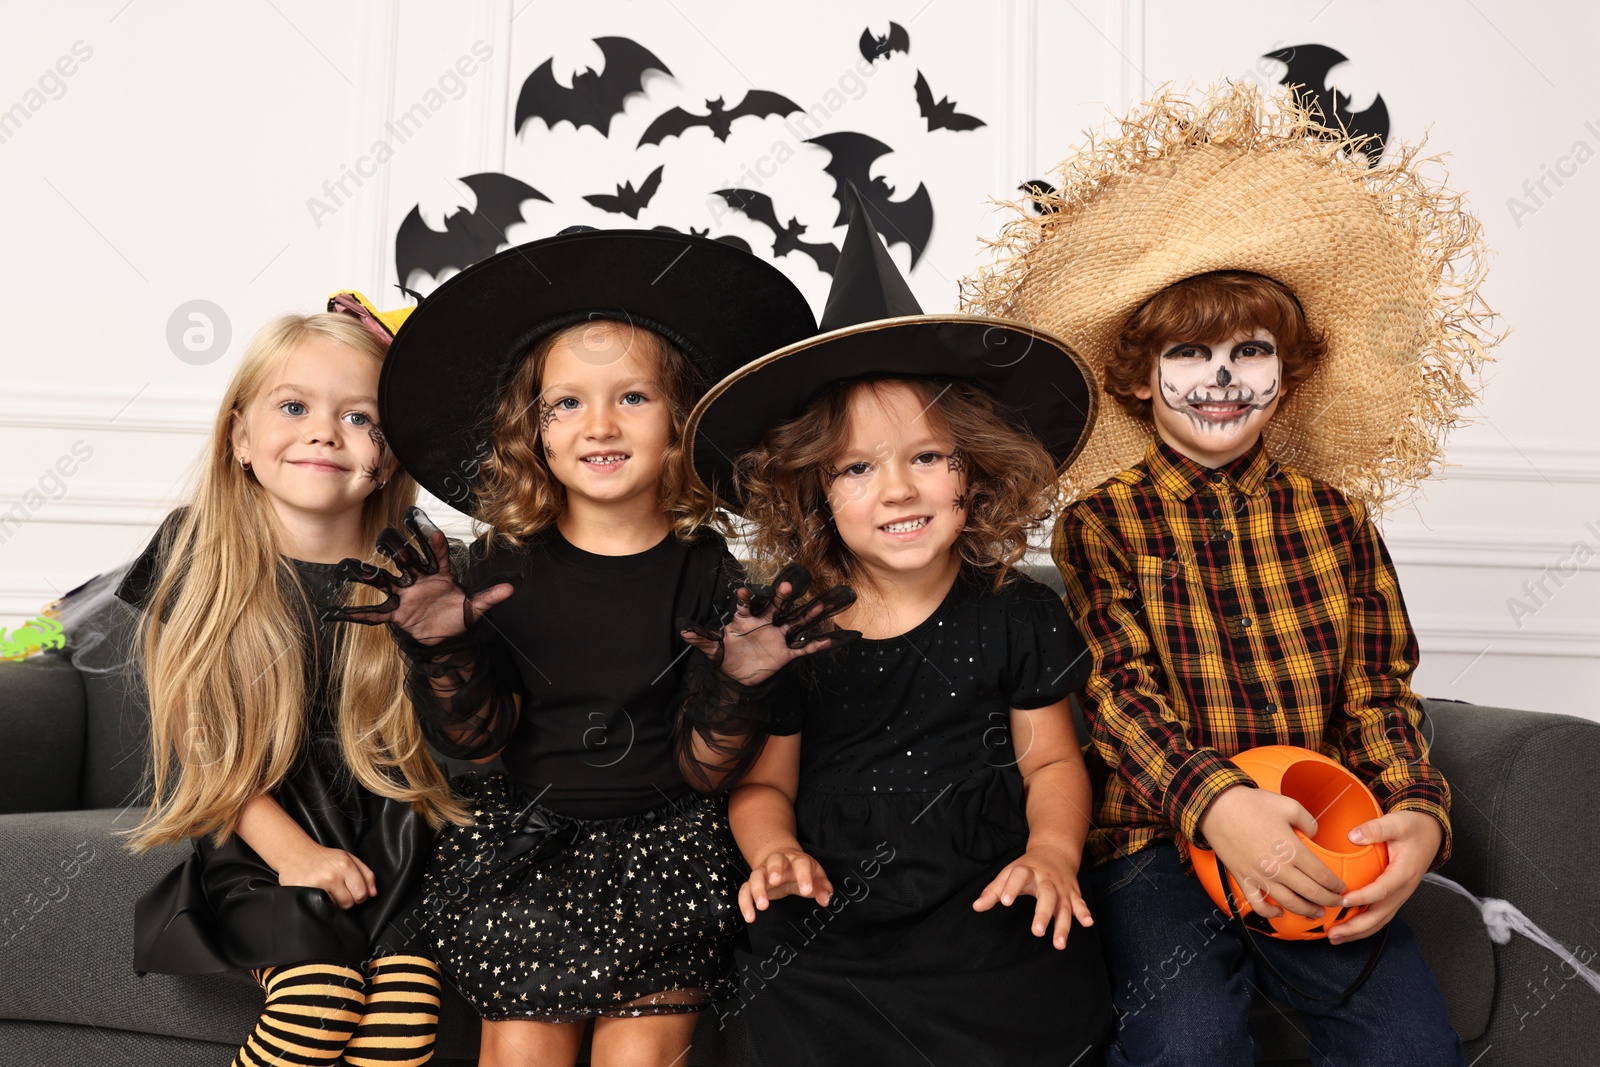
(177, 160)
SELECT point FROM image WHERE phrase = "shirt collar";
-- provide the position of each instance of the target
(1180, 477)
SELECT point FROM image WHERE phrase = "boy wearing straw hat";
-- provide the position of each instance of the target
(1286, 333)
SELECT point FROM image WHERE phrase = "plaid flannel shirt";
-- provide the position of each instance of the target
(1226, 609)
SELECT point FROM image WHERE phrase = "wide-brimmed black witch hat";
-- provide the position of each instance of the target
(447, 369)
(872, 327)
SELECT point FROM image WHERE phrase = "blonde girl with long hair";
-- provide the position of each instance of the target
(282, 747)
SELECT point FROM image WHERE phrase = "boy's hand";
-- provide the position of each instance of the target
(1252, 833)
(334, 871)
(786, 872)
(1050, 876)
(1413, 839)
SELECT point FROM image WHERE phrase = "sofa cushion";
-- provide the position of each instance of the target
(42, 724)
(79, 883)
(102, 636)
(1455, 945)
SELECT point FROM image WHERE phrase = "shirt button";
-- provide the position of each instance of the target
(1243, 621)
(1269, 707)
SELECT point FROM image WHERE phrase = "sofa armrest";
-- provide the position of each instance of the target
(43, 723)
(1525, 801)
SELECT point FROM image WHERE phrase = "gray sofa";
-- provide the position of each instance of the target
(1527, 804)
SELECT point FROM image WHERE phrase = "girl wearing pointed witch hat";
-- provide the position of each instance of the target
(915, 823)
(544, 391)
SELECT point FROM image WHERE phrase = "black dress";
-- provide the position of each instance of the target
(911, 800)
(222, 909)
(594, 881)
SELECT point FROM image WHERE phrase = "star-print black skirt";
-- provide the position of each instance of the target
(536, 915)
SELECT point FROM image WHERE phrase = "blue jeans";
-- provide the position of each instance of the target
(1182, 981)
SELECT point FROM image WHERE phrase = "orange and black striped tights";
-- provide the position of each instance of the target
(320, 1011)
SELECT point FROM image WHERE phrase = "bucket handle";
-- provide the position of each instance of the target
(1378, 943)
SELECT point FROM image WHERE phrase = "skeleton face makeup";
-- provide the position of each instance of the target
(1210, 401)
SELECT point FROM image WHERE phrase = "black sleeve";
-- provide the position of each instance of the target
(729, 719)
(144, 573)
(789, 704)
(1046, 659)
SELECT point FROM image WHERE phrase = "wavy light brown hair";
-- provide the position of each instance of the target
(225, 648)
(1011, 481)
(519, 496)
(1203, 308)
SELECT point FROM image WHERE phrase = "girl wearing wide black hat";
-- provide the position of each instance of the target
(925, 779)
(544, 390)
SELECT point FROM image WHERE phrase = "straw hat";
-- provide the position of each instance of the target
(1385, 261)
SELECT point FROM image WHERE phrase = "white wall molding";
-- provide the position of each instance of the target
(124, 408)
(368, 258)
(1018, 73)
(1506, 462)
(84, 503)
(1496, 635)
(1125, 82)
(494, 116)
(22, 596)
(1531, 550)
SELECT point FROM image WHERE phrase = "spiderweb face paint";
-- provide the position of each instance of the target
(547, 415)
(956, 463)
(375, 434)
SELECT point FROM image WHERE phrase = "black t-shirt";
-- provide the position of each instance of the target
(931, 706)
(595, 643)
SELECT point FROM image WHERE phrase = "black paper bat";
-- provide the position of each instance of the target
(908, 221)
(468, 235)
(785, 239)
(1037, 189)
(757, 102)
(728, 239)
(627, 200)
(594, 99)
(943, 115)
(875, 48)
(1308, 70)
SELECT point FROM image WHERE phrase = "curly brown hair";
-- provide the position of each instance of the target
(519, 496)
(1203, 308)
(1011, 480)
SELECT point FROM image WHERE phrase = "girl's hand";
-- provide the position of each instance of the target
(1048, 875)
(334, 871)
(788, 872)
(768, 629)
(423, 599)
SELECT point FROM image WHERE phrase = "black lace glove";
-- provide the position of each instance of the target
(459, 676)
(727, 687)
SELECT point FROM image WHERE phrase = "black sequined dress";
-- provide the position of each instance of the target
(911, 800)
(222, 908)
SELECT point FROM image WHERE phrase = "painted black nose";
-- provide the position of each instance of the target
(1223, 377)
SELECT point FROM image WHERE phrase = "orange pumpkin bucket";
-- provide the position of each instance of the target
(1339, 802)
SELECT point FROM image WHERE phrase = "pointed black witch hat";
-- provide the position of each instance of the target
(447, 369)
(872, 327)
